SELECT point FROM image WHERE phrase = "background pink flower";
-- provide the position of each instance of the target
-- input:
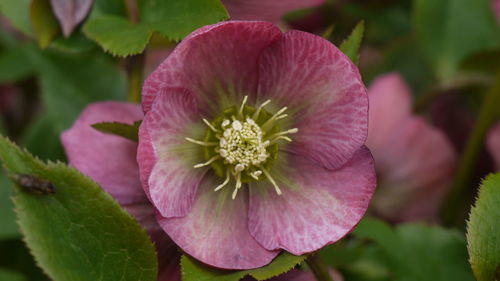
(325, 174)
(111, 161)
(414, 160)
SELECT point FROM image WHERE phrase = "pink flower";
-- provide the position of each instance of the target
(414, 160)
(493, 144)
(271, 194)
(266, 10)
(252, 142)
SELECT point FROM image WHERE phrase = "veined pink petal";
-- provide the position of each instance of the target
(390, 105)
(70, 13)
(166, 159)
(108, 159)
(266, 10)
(215, 230)
(415, 166)
(218, 64)
(324, 93)
(493, 143)
(318, 206)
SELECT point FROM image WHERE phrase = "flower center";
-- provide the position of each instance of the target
(242, 144)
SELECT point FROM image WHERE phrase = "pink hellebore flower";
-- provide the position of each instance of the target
(493, 144)
(252, 142)
(414, 160)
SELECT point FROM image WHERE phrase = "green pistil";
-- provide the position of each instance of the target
(243, 143)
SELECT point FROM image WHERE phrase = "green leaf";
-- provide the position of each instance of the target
(420, 252)
(17, 12)
(44, 22)
(9, 275)
(117, 35)
(193, 270)
(69, 82)
(487, 62)
(9, 228)
(78, 233)
(173, 19)
(483, 231)
(127, 131)
(42, 129)
(176, 19)
(350, 46)
(15, 63)
(450, 30)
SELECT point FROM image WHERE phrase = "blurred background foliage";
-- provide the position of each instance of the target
(447, 50)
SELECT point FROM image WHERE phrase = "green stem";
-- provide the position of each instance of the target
(319, 269)
(135, 67)
(456, 204)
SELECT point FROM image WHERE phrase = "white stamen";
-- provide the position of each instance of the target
(240, 112)
(256, 174)
(225, 123)
(273, 118)
(268, 176)
(239, 168)
(287, 132)
(238, 185)
(279, 138)
(257, 112)
(237, 125)
(202, 143)
(210, 161)
(226, 181)
(210, 125)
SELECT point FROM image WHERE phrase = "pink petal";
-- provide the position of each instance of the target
(493, 143)
(415, 167)
(317, 207)
(324, 92)
(70, 13)
(108, 159)
(215, 230)
(166, 159)
(390, 105)
(217, 63)
(266, 10)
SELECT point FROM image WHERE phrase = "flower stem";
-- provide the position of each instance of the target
(319, 269)
(456, 205)
(135, 68)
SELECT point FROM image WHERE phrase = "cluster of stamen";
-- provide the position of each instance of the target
(243, 145)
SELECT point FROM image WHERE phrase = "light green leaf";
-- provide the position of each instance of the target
(420, 252)
(127, 131)
(69, 82)
(45, 25)
(9, 275)
(17, 12)
(350, 46)
(450, 30)
(483, 231)
(117, 35)
(9, 228)
(193, 270)
(176, 19)
(78, 233)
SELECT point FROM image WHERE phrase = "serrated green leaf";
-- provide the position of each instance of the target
(483, 231)
(350, 46)
(117, 35)
(176, 19)
(78, 233)
(127, 131)
(15, 63)
(450, 30)
(45, 25)
(193, 270)
(9, 228)
(420, 252)
(17, 12)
